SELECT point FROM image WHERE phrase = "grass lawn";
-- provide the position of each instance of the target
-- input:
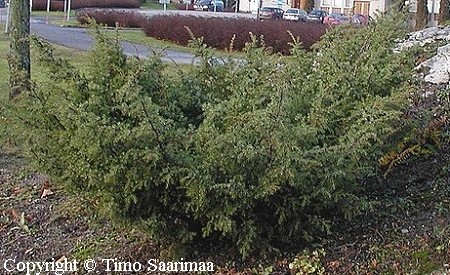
(57, 17)
(137, 36)
(4, 72)
(155, 5)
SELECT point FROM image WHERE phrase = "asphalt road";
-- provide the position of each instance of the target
(79, 38)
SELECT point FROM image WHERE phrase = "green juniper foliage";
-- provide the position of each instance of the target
(255, 153)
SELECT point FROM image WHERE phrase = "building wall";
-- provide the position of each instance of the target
(367, 7)
(338, 6)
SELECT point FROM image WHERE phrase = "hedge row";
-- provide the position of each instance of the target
(217, 32)
(78, 4)
(112, 18)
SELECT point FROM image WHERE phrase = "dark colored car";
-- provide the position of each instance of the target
(316, 16)
(209, 5)
(2, 4)
(271, 13)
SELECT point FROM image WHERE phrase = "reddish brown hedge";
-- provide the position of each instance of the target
(58, 5)
(112, 18)
(217, 32)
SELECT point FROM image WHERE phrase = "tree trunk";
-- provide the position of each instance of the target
(421, 14)
(444, 13)
(19, 55)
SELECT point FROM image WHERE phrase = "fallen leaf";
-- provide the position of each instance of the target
(16, 191)
(46, 192)
(15, 215)
(62, 259)
(334, 264)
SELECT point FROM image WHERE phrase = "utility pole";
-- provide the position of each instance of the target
(19, 54)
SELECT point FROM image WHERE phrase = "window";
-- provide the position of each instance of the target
(326, 2)
(348, 3)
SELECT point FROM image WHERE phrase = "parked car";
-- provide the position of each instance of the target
(361, 19)
(271, 13)
(337, 19)
(295, 15)
(2, 3)
(316, 16)
(209, 5)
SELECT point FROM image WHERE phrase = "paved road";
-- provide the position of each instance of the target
(78, 38)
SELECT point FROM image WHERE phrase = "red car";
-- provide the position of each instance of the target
(337, 19)
(360, 19)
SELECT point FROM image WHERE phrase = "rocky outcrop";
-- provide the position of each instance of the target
(436, 70)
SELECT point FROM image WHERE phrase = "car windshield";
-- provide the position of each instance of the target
(316, 12)
(292, 11)
(267, 9)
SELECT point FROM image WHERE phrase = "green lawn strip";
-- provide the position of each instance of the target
(155, 5)
(4, 71)
(137, 36)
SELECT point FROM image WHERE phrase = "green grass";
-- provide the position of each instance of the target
(4, 71)
(57, 18)
(155, 5)
(137, 36)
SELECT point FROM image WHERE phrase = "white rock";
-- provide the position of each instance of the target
(425, 36)
(439, 66)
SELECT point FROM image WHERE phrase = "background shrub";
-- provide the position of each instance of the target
(78, 4)
(250, 155)
(217, 32)
(180, 6)
(111, 18)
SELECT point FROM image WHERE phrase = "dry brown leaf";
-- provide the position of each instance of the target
(334, 264)
(46, 192)
(15, 215)
(61, 259)
(16, 191)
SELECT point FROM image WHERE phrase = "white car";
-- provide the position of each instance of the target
(295, 15)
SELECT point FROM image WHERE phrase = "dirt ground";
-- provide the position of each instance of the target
(409, 233)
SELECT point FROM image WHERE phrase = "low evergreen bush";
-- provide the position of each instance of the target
(253, 154)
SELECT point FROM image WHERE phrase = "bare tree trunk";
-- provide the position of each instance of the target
(421, 14)
(19, 55)
(444, 13)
